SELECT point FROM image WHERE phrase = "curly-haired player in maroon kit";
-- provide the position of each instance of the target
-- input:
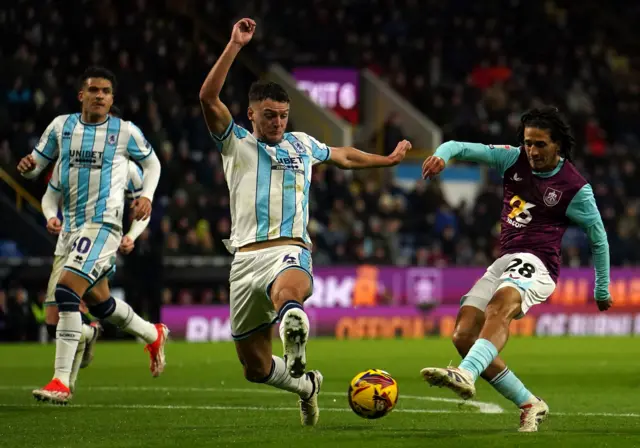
(543, 195)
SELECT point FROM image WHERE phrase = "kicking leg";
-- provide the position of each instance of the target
(260, 366)
(468, 326)
(503, 307)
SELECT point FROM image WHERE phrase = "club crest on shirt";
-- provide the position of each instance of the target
(299, 147)
(552, 197)
(111, 139)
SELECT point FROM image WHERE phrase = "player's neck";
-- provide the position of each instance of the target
(550, 170)
(89, 118)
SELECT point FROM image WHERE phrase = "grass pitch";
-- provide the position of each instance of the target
(592, 387)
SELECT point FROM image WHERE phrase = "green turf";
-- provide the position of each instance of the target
(202, 399)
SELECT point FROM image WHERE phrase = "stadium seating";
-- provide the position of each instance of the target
(462, 63)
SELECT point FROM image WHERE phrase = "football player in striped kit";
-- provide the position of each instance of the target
(50, 206)
(92, 150)
(268, 172)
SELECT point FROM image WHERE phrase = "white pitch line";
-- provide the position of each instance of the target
(481, 406)
(217, 408)
(284, 409)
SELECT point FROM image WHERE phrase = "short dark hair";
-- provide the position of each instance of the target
(551, 119)
(99, 72)
(115, 111)
(262, 90)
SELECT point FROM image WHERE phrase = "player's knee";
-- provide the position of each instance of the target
(505, 304)
(51, 330)
(256, 372)
(102, 310)
(500, 312)
(463, 341)
(67, 299)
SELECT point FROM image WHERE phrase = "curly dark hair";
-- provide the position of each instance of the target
(549, 118)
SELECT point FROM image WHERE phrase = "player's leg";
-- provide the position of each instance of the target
(105, 307)
(288, 293)
(293, 284)
(70, 288)
(260, 366)
(518, 290)
(252, 318)
(468, 326)
(90, 332)
(469, 323)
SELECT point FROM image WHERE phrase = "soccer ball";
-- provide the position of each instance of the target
(373, 393)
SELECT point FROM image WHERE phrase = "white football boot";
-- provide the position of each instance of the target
(531, 415)
(309, 410)
(294, 331)
(458, 380)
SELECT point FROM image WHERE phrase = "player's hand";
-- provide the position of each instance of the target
(432, 166)
(399, 153)
(54, 226)
(604, 305)
(126, 245)
(141, 208)
(243, 31)
(26, 164)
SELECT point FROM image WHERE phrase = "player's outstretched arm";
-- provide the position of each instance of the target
(216, 114)
(349, 158)
(500, 157)
(583, 211)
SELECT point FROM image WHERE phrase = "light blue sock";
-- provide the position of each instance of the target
(479, 357)
(511, 388)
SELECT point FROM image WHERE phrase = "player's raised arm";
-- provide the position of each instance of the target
(349, 158)
(583, 211)
(45, 152)
(216, 114)
(500, 157)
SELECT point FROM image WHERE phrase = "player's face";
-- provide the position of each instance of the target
(96, 97)
(543, 153)
(269, 119)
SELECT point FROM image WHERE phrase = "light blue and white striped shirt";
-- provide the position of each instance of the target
(92, 164)
(268, 184)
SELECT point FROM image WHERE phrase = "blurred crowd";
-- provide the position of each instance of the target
(472, 67)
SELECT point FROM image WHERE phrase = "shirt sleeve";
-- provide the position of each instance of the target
(45, 151)
(500, 157)
(47, 146)
(134, 181)
(584, 212)
(50, 202)
(151, 168)
(225, 142)
(137, 227)
(138, 147)
(319, 152)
